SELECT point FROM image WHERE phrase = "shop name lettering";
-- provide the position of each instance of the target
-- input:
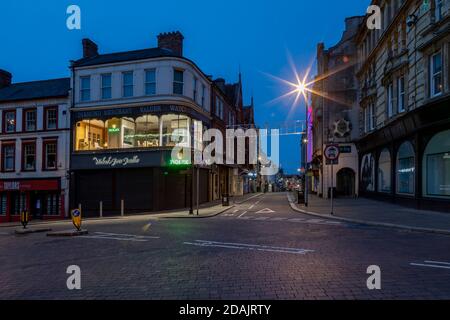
(11, 185)
(112, 162)
(128, 111)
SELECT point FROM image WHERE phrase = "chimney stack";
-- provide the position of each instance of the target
(90, 49)
(172, 41)
(5, 78)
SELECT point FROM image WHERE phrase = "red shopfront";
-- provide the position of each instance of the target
(42, 198)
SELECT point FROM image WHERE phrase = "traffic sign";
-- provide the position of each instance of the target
(76, 218)
(332, 152)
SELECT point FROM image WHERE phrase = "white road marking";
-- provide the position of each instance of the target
(119, 237)
(278, 219)
(266, 210)
(242, 214)
(113, 238)
(126, 235)
(236, 210)
(437, 262)
(262, 218)
(429, 265)
(243, 246)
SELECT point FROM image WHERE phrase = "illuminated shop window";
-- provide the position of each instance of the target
(405, 169)
(147, 131)
(384, 171)
(436, 166)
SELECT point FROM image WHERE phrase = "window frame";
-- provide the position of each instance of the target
(146, 83)
(102, 86)
(181, 83)
(5, 144)
(26, 143)
(24, 119)
(195, 91)
(46, 110)
(401, 95)
(203, 95)
(433, 75)
(390, 100)
(45, 143)
(124, 74)
(438, 13)
(4, 120)
(82, 89)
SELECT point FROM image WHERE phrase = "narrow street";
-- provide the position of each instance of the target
(259, 249)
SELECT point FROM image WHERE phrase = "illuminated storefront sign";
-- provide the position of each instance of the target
(179, 162)
(113, 161)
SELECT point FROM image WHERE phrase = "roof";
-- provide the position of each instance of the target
(35, 90)
(124, 56)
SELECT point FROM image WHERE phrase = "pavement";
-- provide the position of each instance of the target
(259, 249)
(376, 213)
(206, 210)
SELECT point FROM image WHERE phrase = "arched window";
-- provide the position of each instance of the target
(436, 166)
(405, 169)
(368, 173)
(147, 131)
(384, 171)
(175, 130)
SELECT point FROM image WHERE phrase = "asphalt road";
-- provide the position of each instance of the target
(260, 249)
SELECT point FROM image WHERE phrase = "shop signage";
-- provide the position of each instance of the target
(179, 162)
(113, 130)
(110, 161)
(28, 185)
(138, 111)
(345, 149)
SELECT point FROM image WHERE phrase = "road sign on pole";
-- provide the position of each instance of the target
(332, 153)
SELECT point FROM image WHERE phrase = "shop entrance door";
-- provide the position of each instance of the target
(36, 205)
(346, 182)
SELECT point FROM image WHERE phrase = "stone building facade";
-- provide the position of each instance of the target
(403, 74)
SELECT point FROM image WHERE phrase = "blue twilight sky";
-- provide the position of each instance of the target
(220, 36)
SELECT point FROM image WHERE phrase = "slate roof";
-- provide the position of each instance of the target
(124, 56)
(35, 90)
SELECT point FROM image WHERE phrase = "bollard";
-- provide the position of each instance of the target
(122, 208)
(101, 209)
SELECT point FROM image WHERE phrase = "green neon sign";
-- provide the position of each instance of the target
(113, 130)
(179, 162)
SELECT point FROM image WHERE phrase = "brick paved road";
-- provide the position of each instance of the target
(260, 249)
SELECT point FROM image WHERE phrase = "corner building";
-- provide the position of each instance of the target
(127, 108)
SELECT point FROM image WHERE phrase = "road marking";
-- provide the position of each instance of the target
(126, 235)
(278, 219)
(432, 264)
(119, 237)
(266, 210)
(437, 262)
(236, 210)
(242, 214)
(262, 218)
(244, 246)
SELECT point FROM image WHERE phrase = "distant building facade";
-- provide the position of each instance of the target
(34, 148)
(403, 72)
(335, 114)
